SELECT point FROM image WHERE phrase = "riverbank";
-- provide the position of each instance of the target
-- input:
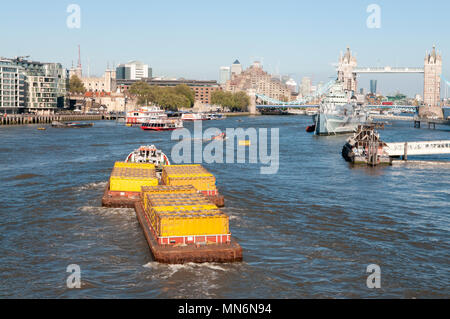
(21, 119)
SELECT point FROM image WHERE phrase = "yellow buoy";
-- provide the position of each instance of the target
(244, 143)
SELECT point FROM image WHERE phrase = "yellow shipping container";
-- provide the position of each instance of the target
(134, 165)
(157, 199)
(187, 208)
(201, 184)
(185, 189)
(203, 224)
(120, 184)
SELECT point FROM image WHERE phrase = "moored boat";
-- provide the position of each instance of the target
(144, 114)
(71, 124)
(366, 147)
(338, 113)
(162, 125)
(190, 117)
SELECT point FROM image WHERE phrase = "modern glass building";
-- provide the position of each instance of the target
(12, 91)
(224, 74)
(373, 87)
(133, 70)
(32, 86)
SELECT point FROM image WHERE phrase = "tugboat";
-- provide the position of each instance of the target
(366, 147)
(149, 154)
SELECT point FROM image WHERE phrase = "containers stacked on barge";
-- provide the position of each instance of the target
(181, 226)
(125, 183)
(195, 175)
(185, 218)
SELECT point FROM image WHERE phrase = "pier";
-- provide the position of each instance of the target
(431, 122)
(418, 148)
(23, 119)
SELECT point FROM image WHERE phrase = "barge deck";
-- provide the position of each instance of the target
(129, 199)
(195, 253)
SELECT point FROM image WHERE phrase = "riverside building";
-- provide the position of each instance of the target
(12, 91)
(202, 89)
(31, 86)
(256, 79)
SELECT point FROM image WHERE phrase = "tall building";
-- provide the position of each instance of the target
(256, 80)
(305, 86)
(133, 70)
(432, 79)
(12, 87)
(34, 86)
(292, 85)
(224, 74)
(236, 69)
(373, 87)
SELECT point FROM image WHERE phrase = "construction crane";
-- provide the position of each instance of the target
(20, 58)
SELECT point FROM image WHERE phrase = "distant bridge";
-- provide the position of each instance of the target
(388, 69)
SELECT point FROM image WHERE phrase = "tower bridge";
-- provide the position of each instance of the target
(432, 71)
(348, 70)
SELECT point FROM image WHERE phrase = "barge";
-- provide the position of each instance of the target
(180, 222)
(195, 252)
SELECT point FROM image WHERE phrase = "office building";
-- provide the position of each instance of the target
(224, 75)
(236, 69)
(373, 87)
(305, 87)
(12, 87)
(133, 70)
(202, 89)
(33, 86)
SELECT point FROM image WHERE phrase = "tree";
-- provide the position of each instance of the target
(234, 101)
(186, 91)
(76, 85)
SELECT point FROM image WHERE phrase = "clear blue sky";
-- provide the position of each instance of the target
(192, 39)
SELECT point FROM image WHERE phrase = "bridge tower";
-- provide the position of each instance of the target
(346, 71)
(432, 78)
(432, 84)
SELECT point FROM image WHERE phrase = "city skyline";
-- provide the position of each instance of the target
(297, 39)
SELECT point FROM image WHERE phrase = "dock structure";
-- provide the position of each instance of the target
(24, 119)
(418, 148)
(431, 122)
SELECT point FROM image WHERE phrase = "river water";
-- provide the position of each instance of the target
(309, 231)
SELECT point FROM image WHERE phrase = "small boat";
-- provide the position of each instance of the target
(366, 147)
(190, 117)
(41, 128)
(71, 124)
(311, 128)
(221, 136)
(162, 125)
